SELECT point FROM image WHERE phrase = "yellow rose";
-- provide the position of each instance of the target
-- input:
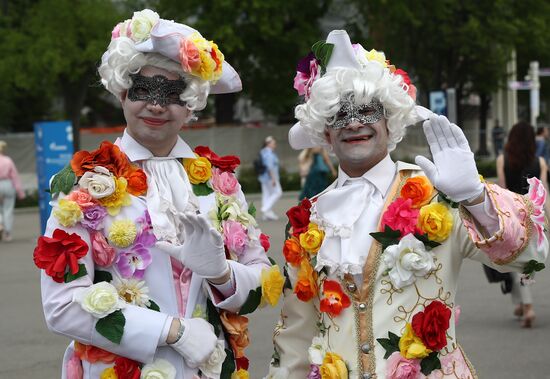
(272, 285)
(109, 373)
(240, 374)
(68, 213)
(376, 56)
(120, 198)
(333, 367)
(311, 239)
(210, 56)
(411, 346)
(199, 170)
(436, 220)
(122, 233)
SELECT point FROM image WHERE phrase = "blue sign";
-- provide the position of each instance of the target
(438, 102)
(54, 149)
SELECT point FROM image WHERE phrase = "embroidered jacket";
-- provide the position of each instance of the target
(396, 317)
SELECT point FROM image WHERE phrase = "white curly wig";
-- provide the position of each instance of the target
(372, 81)
(122, 59)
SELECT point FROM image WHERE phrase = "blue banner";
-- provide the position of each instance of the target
(54, 150)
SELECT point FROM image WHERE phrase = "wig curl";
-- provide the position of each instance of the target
(122, 59)
(370, 82)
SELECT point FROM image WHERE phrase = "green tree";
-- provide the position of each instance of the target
(463, 44)
(262, 39)
(52, 49)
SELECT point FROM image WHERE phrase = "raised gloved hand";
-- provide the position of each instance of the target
(197, 342)
(453, 170)
(202, 250)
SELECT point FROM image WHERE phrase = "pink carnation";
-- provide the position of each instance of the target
(235, 237)
(102, 253)
(189, 55)
(399, 367)
(82, 198)
(116, 31)
(401, 216)
(303, 80)
(224, 182)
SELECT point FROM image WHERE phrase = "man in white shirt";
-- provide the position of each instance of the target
(372, 261)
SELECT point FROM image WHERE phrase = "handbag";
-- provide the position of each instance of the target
(504, 278)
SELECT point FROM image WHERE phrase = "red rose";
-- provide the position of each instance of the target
(432, 324)
(264, 241)
(298, 217)
(226, 163)
(55, 253)
(242, 363)
(127, 369)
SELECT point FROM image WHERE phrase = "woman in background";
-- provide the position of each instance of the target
(315, 165)
(10, 186)
(518, 163)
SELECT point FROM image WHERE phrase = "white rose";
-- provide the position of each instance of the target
(142, 23)
(159, 369)
(212, 368)
(100, 299)
(232, 210)
(407, 261)
(99, 183)
(317, 351)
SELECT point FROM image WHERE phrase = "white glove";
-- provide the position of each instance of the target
(453, 170)
(197, 342)
(202, 250)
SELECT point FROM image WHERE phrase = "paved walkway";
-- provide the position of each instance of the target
(496, 344)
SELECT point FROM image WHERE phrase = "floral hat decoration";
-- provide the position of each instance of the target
(181, 43)
(336, 53)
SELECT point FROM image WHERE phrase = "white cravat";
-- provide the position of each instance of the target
(338, 212)
(169, 194)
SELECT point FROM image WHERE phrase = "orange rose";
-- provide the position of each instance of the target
(419, 190)
(93, 354)
(306, 285)
(137, 182)
(108, 156)
(293, 251)
(237, 328)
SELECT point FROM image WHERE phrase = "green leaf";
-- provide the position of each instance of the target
(213, 317)
(102, 276)
(252, 210)
(252, 302)
(428, 242)
(81, 272)
(387, 238)
(272, 261)
(288, 283)
(287, 229)
(394, 338)
(533, 266)
(63, 181)
(112, 326)
(391, 344)
(430, 363)
(153, 306)
(444, 198)
(276, 358)
(202, 189)
(228, 366)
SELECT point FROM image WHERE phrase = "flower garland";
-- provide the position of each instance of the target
(417, 350)
(209, 174)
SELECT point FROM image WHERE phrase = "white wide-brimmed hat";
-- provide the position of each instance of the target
(339, 53)
(182, 44)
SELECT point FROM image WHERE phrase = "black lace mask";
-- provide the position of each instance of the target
(156, 90)
(349, 112)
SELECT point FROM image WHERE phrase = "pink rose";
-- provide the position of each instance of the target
(399, 367)
(82, 198)
(225, 182)
(401, 216)
(189, 55)
(235, 237)
(74, 368)
(102, 253)
(264, 241)
(304, 81)
(116, 31)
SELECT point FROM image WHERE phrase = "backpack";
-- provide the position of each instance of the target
(259, 166)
